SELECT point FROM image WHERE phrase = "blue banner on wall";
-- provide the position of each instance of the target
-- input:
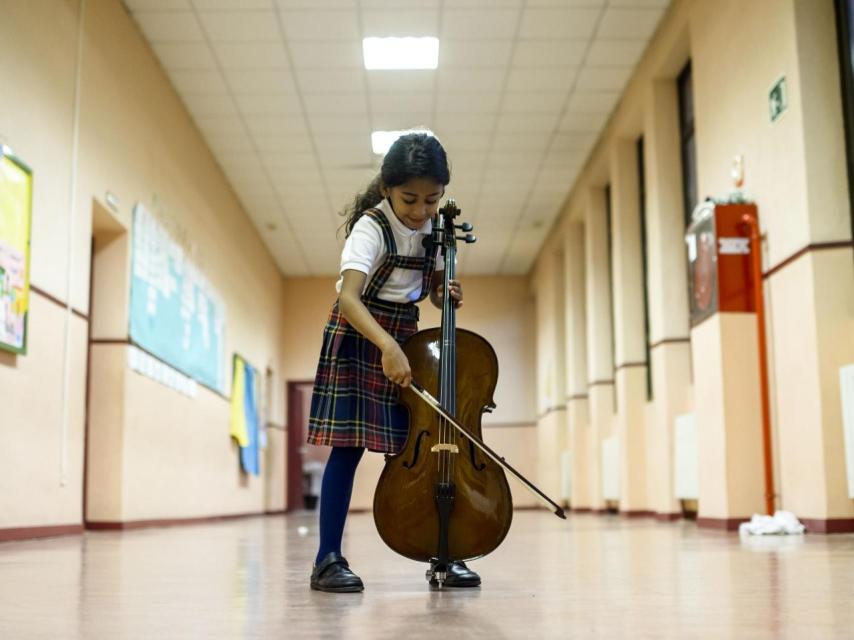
(175, 313)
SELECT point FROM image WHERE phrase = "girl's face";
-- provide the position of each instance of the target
(415, 201)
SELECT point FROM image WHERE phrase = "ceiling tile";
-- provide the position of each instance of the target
(240, 26)
(336, 103)
(549, 53)
(478, 4)
(479, 24)
(505, 142)
(158, 5)
(615, 52)
(579, 4)
(201, 105)
(251, 55)
(527, 122)
(315, 4)
(185, 55)
(211, 125)
(230, 5)
(321, 25)
(401, 81)
(268, 104)
(322, 124)
(466, 141)
(402, 121)
(223, 144)
(397, 102)
(602, 78)
(592, 102)
(330, 80)
(474, 53)
(464, 122)
(468, 102)
(169, 26)
(259, 125)
(545, 79)
(343, 54)
(263, 81)
(198, 82)
(286, 143)
(413, 22)
(583, 121)
(279, 162)
(629, 23)
(471, 79)
(558, 23)
(530, 102)
(580, 141)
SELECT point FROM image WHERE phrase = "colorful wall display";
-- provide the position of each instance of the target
(175, 313)
(16, 191)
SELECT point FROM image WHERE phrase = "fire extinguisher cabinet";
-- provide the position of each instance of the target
(719, 261)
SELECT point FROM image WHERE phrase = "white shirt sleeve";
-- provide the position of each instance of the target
(364, 247)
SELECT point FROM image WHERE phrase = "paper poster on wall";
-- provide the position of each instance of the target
(16, 189)
(175, 313)
(245, 423)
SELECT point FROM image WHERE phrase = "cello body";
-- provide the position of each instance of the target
(407, 508)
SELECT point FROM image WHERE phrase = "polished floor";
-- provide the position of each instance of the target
(591, 576)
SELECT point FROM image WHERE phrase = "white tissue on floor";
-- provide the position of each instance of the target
(781, 523)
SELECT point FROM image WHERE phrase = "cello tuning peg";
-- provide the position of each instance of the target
(465, 226)
(468, 238)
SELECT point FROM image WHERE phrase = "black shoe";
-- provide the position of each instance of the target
(333, 574)
(458, 575)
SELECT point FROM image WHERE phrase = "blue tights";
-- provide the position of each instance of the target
(335, 497)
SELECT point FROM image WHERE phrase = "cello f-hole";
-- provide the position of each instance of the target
(411, 463)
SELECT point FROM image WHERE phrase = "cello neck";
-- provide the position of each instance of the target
(448, 348)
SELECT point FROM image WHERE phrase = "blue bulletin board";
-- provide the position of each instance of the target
(16, 196)
(175, 314)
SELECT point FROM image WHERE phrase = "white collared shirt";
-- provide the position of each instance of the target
(364, 250)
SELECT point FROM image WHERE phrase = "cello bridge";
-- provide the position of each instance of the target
(436, 448)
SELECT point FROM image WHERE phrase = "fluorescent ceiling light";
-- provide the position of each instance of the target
(382, 140)
(401, 53)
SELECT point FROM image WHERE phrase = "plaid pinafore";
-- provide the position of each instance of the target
(354, 404)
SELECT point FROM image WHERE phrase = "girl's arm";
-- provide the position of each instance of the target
(436, 290)
(395, 364)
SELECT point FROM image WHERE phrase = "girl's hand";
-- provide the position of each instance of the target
(456, 293)
(456, 290)
(395, 365)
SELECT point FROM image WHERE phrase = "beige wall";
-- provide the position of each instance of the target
(795, 172)
(153, 452)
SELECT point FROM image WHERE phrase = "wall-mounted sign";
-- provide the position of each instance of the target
(778, 99)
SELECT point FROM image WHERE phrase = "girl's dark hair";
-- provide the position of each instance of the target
(413, 155)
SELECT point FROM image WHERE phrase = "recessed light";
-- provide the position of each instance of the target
(382, 140)
(401, 53)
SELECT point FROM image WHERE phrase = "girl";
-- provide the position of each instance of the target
(386, 267)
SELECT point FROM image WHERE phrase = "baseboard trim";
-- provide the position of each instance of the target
(667, 517)
(30, 533)
(829, 525)
(119, 525)
(721, 524)
(637, 513)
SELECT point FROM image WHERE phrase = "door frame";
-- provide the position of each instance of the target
(293, 443)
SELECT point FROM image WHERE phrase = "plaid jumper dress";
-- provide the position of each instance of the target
(354, 404)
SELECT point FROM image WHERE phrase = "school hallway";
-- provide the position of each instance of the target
(230, 235)
(591, 576)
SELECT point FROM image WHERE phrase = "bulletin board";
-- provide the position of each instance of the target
(175, 313)
(16, 199)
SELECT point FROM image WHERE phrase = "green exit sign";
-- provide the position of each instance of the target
(778, 99)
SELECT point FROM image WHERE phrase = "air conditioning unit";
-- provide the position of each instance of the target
(686, 481)
(846, 391)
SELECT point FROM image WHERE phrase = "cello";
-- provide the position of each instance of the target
(444, 497)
